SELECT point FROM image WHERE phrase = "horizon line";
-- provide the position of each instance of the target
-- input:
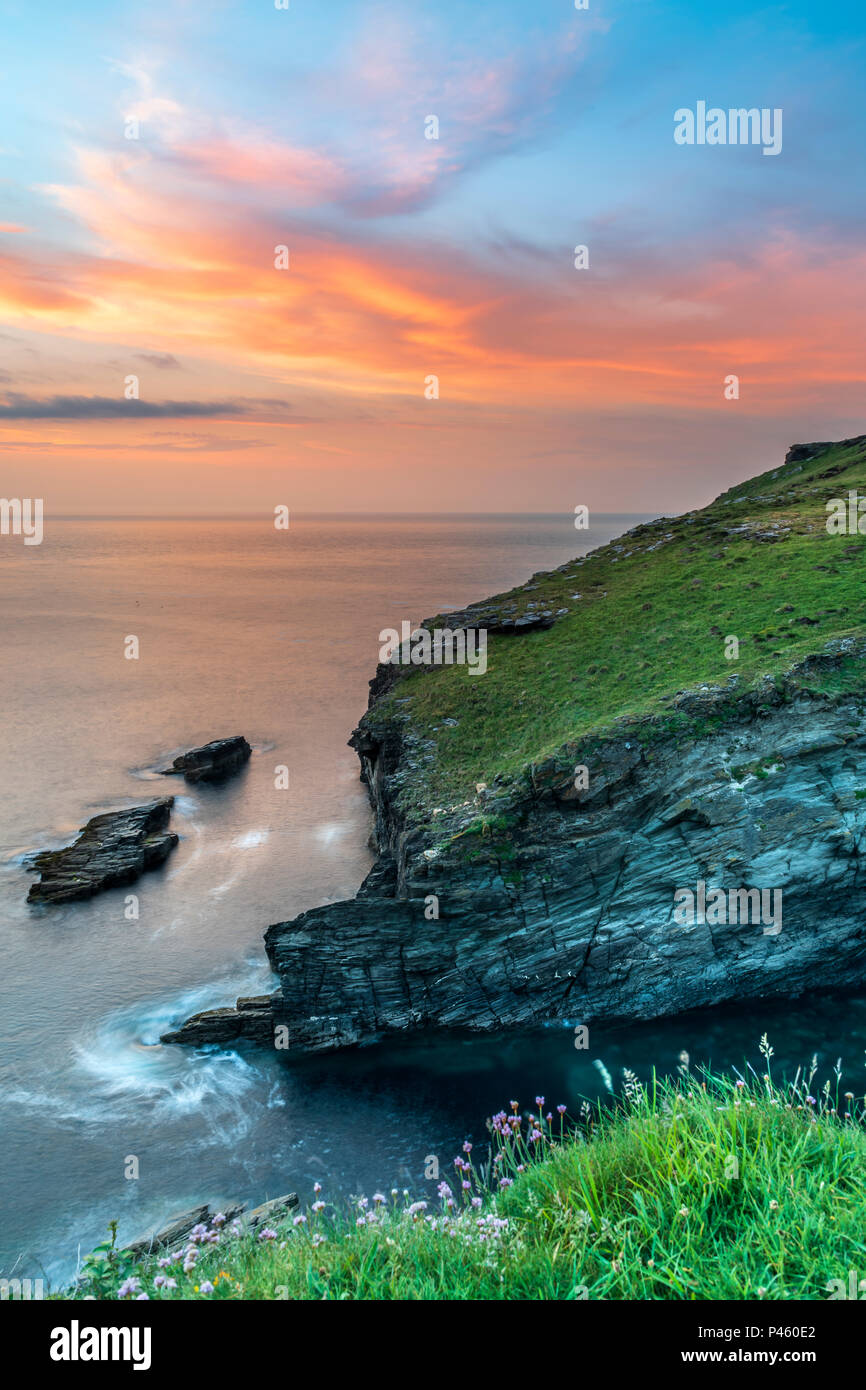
(258, 516)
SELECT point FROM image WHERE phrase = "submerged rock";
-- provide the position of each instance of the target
(111, 849)
(213, 762)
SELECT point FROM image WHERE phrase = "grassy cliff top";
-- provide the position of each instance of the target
(648, 616)
(699, 1188)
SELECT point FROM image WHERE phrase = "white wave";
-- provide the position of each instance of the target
(251, 839)
(329, 833)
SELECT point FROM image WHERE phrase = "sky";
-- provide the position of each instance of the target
(157, 357)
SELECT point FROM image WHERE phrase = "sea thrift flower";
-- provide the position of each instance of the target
(416, 1207)
(128, 1287)
(379, 1198)
(319, 1239)
(539, 1101)
(467, 1147)
(267, 1234)
(161, 1282)
(300, 1220)
(166, 1260)
(206, 1287)
(318, 1206)
(142, 1298)
(317, 1187)
(561, 1109)
(218, 1220)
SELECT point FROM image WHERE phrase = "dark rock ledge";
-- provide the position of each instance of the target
(111, 849)
(213, 762)
(252, 1019)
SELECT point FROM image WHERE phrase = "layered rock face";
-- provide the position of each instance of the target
(213, 762)
(571, 917)
(112, 849)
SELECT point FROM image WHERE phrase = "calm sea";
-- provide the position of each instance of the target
(241, 629)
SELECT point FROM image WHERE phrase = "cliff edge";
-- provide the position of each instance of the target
(679, 712)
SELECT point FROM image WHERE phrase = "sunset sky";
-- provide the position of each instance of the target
(411, 257)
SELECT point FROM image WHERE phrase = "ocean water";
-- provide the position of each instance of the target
(242, 629)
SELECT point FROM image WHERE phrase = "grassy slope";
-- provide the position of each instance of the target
(655, 607)
(708, 1189)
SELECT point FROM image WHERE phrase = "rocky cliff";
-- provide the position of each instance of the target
(545, 890)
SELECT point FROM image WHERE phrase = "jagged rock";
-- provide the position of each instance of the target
(252, 1020)
(178, 1227)
(213, 762)
(111, 849)
(270, 1211)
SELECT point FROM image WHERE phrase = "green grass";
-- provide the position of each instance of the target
(699, 1188)
(655, 609)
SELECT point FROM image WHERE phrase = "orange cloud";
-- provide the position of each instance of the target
(182, 271)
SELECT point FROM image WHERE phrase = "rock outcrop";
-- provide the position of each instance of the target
(251, 1019)
(568, 914)
(549, 895)
(112, 849)
(213, 762)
